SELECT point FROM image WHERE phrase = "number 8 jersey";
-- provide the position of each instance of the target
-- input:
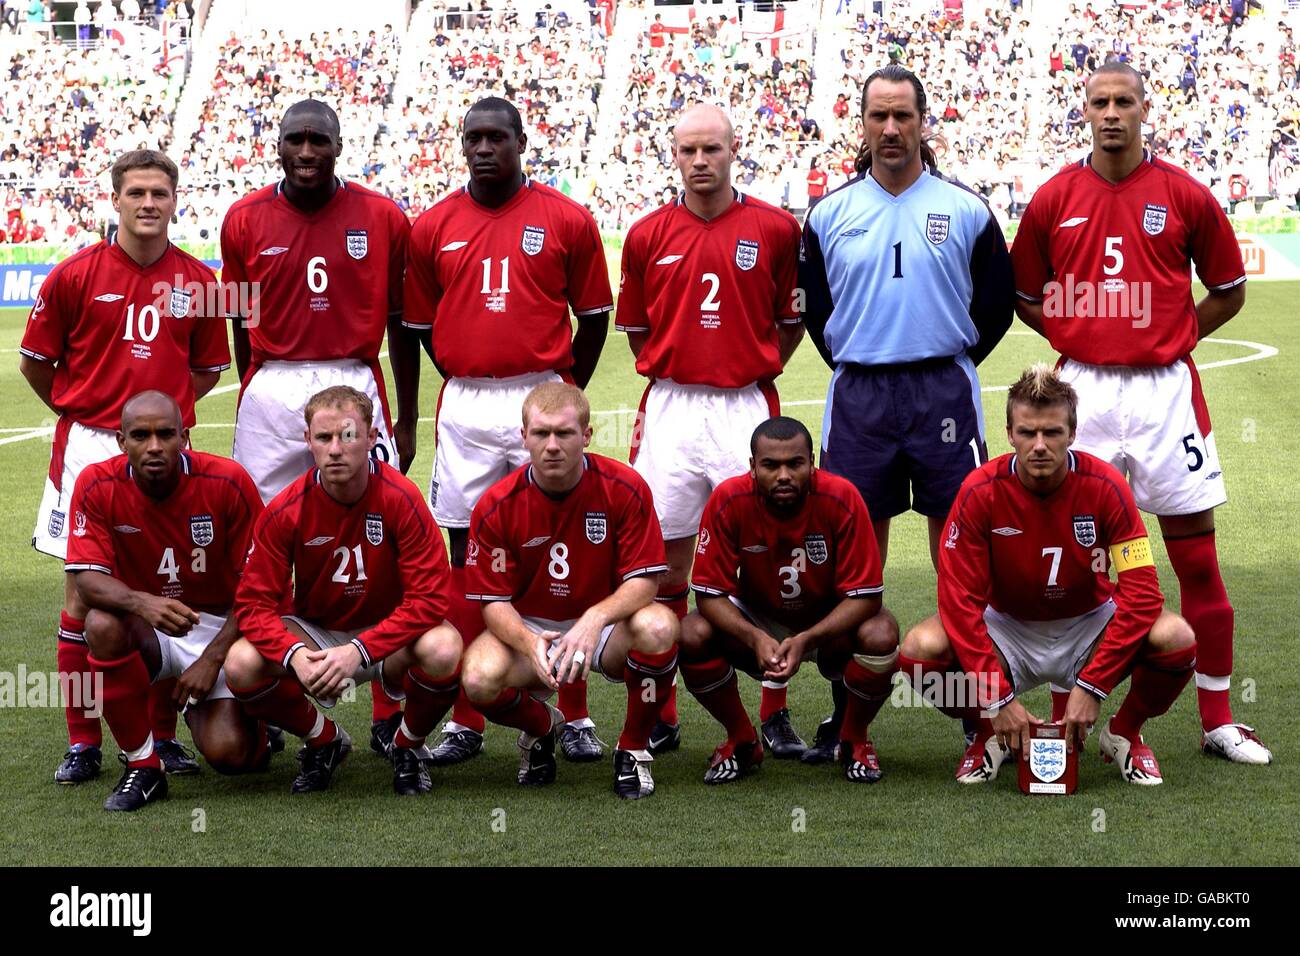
(556, 557)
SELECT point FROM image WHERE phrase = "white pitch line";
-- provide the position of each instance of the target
(1261, 352)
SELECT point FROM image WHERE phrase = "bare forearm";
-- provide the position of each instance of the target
(1214, 311)
(636, 341)
(508, 627)
(629, 598)
(404, 355)
(726, 617)
(221, 644)
(588, 342)
(203, 382)
(103, 592)
(40, 376)
(243, 350)
(789, 336)
(1031, 313)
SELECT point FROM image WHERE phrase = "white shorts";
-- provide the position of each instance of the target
(692, 438)
(178, 653)
(269, 425)
(325, 638)
(1151, 424)
(1046, 652)
(479, 441)
(537, 625)
(83, 446)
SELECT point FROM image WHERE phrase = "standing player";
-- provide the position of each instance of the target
(351, 550)
(1103, 267)
(1025, 597)
(494, 269)
(707, 301)
(565, 554)
(114, 319)
(909, 288)
(787, 571)
(322, 262)
(158, 541)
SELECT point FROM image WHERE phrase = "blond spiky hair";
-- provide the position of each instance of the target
(551, 397)
(1040, 386)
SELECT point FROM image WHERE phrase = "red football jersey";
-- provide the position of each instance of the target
(710, 294)
(189, 546)
(555, 558)
(114, 329)
(1039, 558)
(1112, 263)
(378, 564)
(326, 281)
(794, 569)
(496, 285)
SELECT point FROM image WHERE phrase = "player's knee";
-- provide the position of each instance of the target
(481, 681)
(926, 641)
(654, 629)
(105, 635)
(695, 635)
(1171, 632)
(231, 758)
(243, 664)
(878, 635)
(439, 651)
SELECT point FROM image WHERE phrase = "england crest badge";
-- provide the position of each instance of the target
(746, 254)
(374, 528)
(534, 238)
(1153, 219)
(201, 530)
(358, 243)
(180, 303)
(936, 227)
(55, 527)
(1085, 530)
(815, 546)
(596, 526)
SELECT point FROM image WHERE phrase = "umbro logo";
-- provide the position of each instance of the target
(1071, 223)
(273, 250)
(534, 542)
(755, 548)
(109, 297)
(453, 246)
(668, 260)
(317, 542)
(854, 233)
(126, 529)
(1007, 532)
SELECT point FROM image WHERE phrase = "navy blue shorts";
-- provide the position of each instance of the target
(905, 435)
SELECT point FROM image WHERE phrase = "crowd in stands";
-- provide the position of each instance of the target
(1005, 98)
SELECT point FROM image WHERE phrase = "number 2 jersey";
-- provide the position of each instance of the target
(791, 568)
(555, 557)
(377, 565)
(189, 546)
(1045, 557)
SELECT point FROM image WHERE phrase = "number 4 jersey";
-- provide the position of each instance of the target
(556, 557)
(189, 546)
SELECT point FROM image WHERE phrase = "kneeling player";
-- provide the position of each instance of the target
(566, 555)
(352, 549)
(158, 539)
(787, 571)
(1025, 597)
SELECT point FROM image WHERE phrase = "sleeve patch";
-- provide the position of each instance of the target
(1128, 555)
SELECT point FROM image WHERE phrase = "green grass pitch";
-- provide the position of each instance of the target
(1207, 813)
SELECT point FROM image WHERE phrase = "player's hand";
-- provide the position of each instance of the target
(404, 436)
(583, 636)
(1081, 712)
(790, 653)
(767, 652)
(164, 614)
(196, 682)
(334, 667)
(1011, 725)
(542, 660)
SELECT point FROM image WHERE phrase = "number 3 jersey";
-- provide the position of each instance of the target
(115, 329)
(555, 557)
(189, 546)
(377, 565)
(792, 568)
(1046, 557)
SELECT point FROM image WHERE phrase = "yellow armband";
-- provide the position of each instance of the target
(1131, 554)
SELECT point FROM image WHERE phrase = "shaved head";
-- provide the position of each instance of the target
(705, 120)
(311, 114)
(150, 404)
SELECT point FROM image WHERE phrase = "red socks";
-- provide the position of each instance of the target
(1158, 679)
(515, 708)
(771, 700)
(1206, 608)
(867, 692)
(573, 701)
(72, 659)
(427, 699)
(382, 707)
(126, 697)
(285, 704)
(162, 712)
(649, 679)
(714, 685)
(466, 616)
(463, 713)
(677, 603)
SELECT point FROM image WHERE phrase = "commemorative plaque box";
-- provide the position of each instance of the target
(1052, 769)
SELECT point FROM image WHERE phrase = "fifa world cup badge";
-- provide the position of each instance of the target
(1052, 768)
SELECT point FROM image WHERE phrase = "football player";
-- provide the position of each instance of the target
(1103, 269)
(1025, 596)
(351, 549)
(708, 303)
(112, 320)
(787, 571)
(158, 540)
(565, 554)
(493, 272)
